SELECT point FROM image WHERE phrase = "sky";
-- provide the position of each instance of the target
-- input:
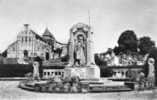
(108, 18)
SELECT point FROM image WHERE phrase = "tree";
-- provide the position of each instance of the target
(99, 61)
(65, 58)
(59, 51)
(153, 53)
(128, 41)
(4, 54)
(109, 50)
(145, 44)
(117, 50)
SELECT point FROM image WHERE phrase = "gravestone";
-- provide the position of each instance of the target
(81, 58)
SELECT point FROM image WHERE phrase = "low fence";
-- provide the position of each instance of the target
(107, 71)
(19, 70)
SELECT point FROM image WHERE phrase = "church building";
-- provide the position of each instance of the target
(30, 44)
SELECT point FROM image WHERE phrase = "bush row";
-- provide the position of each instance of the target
(14, 70)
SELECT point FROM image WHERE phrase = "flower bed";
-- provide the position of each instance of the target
(57, 85)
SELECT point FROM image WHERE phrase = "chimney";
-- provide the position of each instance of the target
(26, 26)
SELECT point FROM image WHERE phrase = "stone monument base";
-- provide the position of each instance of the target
(85, 72)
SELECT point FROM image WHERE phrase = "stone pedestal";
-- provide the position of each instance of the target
(86, 72)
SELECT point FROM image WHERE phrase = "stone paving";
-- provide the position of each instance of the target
(10, 91)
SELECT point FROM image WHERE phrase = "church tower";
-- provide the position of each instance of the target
(48, 37)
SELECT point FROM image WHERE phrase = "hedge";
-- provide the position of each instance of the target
(19, 70)
(14, 70)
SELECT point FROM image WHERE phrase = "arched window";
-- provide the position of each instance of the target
(22, 39)
(26, 38)
(29, 39)
(45, 73)
(48, 73)
(25, 52)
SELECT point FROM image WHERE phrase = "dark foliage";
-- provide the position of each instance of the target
(4, 54)
(65, 58)
(145, 44)
(153, 53)
(17, 70)
(58, 51)
(14, 70)
(146, 68)
(109, 50)
(99, 61)
(127, 41)
(105, 72)
(117, 50)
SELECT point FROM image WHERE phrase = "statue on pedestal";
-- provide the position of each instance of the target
(79, 46)
(81, 60)
(79, 51)
(36, 75)
(37, 64)
(151, 73)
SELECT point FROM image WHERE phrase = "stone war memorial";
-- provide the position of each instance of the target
(80, 74)
(81, 60)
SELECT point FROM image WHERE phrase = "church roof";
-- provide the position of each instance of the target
(48, 33)
(37, 36)
(14, 43)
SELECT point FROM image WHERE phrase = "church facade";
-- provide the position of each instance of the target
(30, 44)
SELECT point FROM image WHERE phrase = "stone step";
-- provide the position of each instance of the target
(24, 86)
(109, 89)
(105, 85)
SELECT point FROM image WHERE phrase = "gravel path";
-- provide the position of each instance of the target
(10, 91)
